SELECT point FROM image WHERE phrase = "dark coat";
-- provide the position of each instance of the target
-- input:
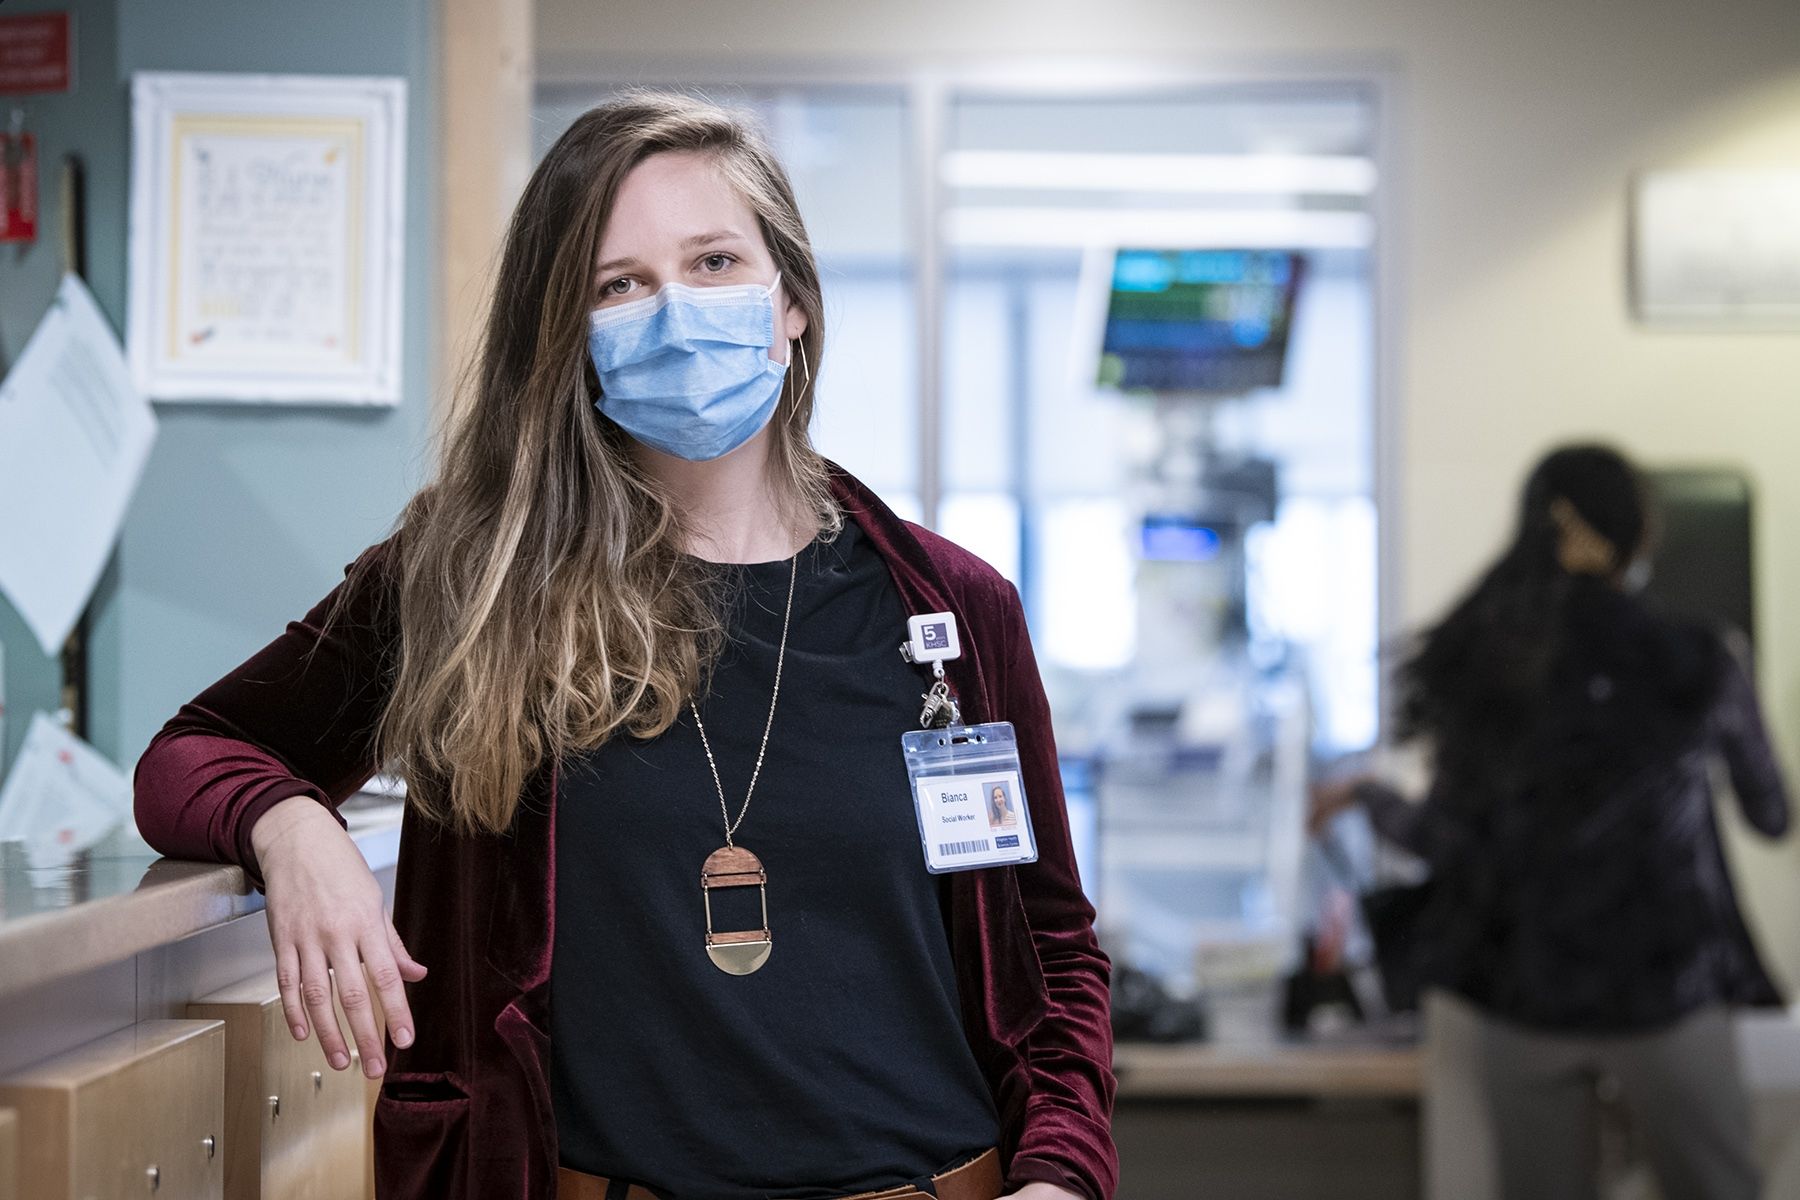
(465, 1112)
(1579, 880)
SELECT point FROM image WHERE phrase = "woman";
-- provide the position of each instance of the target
(1580, 895)
(1001, 814)
(638, 632)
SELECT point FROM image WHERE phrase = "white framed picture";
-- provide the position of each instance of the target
(266, 237)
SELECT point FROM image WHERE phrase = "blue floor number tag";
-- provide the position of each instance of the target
(969, 796)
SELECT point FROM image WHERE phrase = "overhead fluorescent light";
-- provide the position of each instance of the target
(1281, 229)
(1238, 174)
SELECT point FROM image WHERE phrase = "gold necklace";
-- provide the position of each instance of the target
(743, 951)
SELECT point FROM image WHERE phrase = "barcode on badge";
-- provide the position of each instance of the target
(972, 847)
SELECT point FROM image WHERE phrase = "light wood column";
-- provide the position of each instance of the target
(9, 1154)
(485, 149)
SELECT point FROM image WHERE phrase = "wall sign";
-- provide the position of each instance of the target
(266, 237)
(35, 54)
(1717, 248)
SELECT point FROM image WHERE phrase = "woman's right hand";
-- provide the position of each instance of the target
(326, 919)
(1327, 799)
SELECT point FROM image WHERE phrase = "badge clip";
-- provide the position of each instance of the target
(933, 638)
(941, 710)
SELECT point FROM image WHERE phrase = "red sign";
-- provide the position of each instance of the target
(34, 53)
(18, 188)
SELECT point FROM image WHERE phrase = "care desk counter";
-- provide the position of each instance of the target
(1262, 1118)
(123, 935)
(142, 1043)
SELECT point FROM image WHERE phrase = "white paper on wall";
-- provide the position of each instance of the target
(74, 436)
(61, 796)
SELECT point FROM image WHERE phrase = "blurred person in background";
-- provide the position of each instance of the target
(1579, 893)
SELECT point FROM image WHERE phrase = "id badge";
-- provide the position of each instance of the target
(970, 796)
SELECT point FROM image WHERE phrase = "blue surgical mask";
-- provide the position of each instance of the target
(687, 371)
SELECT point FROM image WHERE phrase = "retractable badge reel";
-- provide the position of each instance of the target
(967, 786)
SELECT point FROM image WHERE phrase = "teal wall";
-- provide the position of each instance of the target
(246, 514)
(91, 122)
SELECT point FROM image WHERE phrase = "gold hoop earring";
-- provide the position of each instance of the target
(801, 347)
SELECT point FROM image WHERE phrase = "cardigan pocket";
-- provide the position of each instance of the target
(421, 1135)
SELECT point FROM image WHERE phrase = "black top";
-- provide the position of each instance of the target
(1581, 884)
(840, 1066)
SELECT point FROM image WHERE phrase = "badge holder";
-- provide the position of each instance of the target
(970, 796)
(967, 784)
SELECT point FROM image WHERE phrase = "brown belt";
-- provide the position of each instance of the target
(977, 1179)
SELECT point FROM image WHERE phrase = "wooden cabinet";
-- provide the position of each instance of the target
(135, 1114)
(295, 1129)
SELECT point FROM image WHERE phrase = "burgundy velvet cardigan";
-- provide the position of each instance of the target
(464, 1113)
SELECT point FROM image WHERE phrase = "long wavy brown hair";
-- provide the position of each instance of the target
(545, 602)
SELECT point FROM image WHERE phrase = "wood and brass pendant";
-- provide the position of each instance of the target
(737, 952)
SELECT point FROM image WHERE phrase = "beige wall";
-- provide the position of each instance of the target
(1519, 124)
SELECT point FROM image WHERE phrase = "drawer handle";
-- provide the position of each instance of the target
(154, 1177)
(274, 1107)
(210, 1145)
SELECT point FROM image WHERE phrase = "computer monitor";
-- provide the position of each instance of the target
(1208, 322)
(1704, 562)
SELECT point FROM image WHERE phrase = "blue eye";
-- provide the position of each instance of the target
(617, 287)
(717, 262)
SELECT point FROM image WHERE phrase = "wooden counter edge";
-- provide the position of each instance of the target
(1208, 1071)
(42, 949)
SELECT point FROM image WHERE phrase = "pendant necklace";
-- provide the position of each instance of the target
(742, 951)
